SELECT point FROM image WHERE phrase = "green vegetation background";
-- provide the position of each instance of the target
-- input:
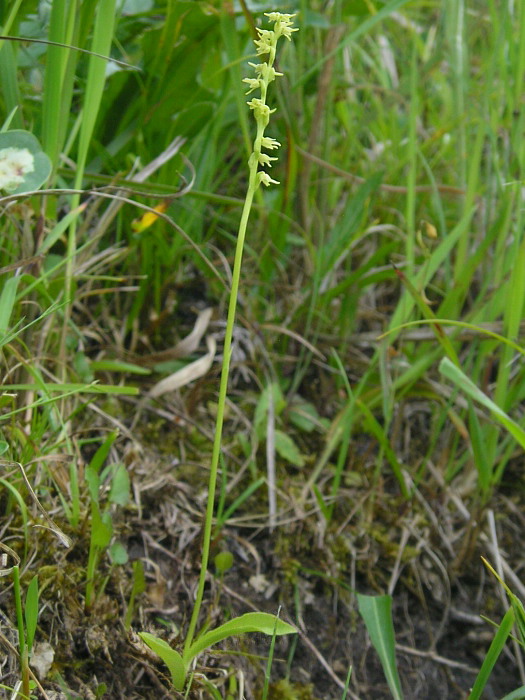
(401, 201)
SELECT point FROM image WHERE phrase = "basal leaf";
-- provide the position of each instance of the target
(264, 623)
(171, 658)
(287, 449)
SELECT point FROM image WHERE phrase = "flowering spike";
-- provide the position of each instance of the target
(283, 24)
(265, 44)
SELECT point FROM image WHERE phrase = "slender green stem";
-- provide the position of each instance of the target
(214, 468)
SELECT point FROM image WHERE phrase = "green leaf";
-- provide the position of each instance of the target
(31, 611)
(117, 366)
(96, 78)
(287, 449)
(456, 375)
(237, 503)
(250, 622)
(82, 367)
(60, 227)
(120, 486)
(7, 301)
(100, 455)
(171, 658)
(376, 611)
(76, 388)
(495, 649)
(101, 690)
(139, 580)
(93, 483)
(325, 510)
(427, 312)
(101, 527)
(481, 459)
(118, 554)
(519, 614)
(304, 416)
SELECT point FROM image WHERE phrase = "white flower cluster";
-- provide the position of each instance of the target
(266, 73)
(15, 164)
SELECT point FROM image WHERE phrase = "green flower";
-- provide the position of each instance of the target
(265, 179)
(265, 72)
(266, 41)
(261, 111)
(269, 143)
(253, 83)
(265, 160)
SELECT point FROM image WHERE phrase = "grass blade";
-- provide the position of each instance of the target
(493, 653)
(102, 37)
(456, 375)
(7, 301)
(376, 611)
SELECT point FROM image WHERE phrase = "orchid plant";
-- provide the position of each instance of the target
(265, 73)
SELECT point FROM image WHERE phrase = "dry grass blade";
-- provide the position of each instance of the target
(187, 374)
(4, 569)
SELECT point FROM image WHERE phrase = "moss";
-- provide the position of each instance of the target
(284, 690)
